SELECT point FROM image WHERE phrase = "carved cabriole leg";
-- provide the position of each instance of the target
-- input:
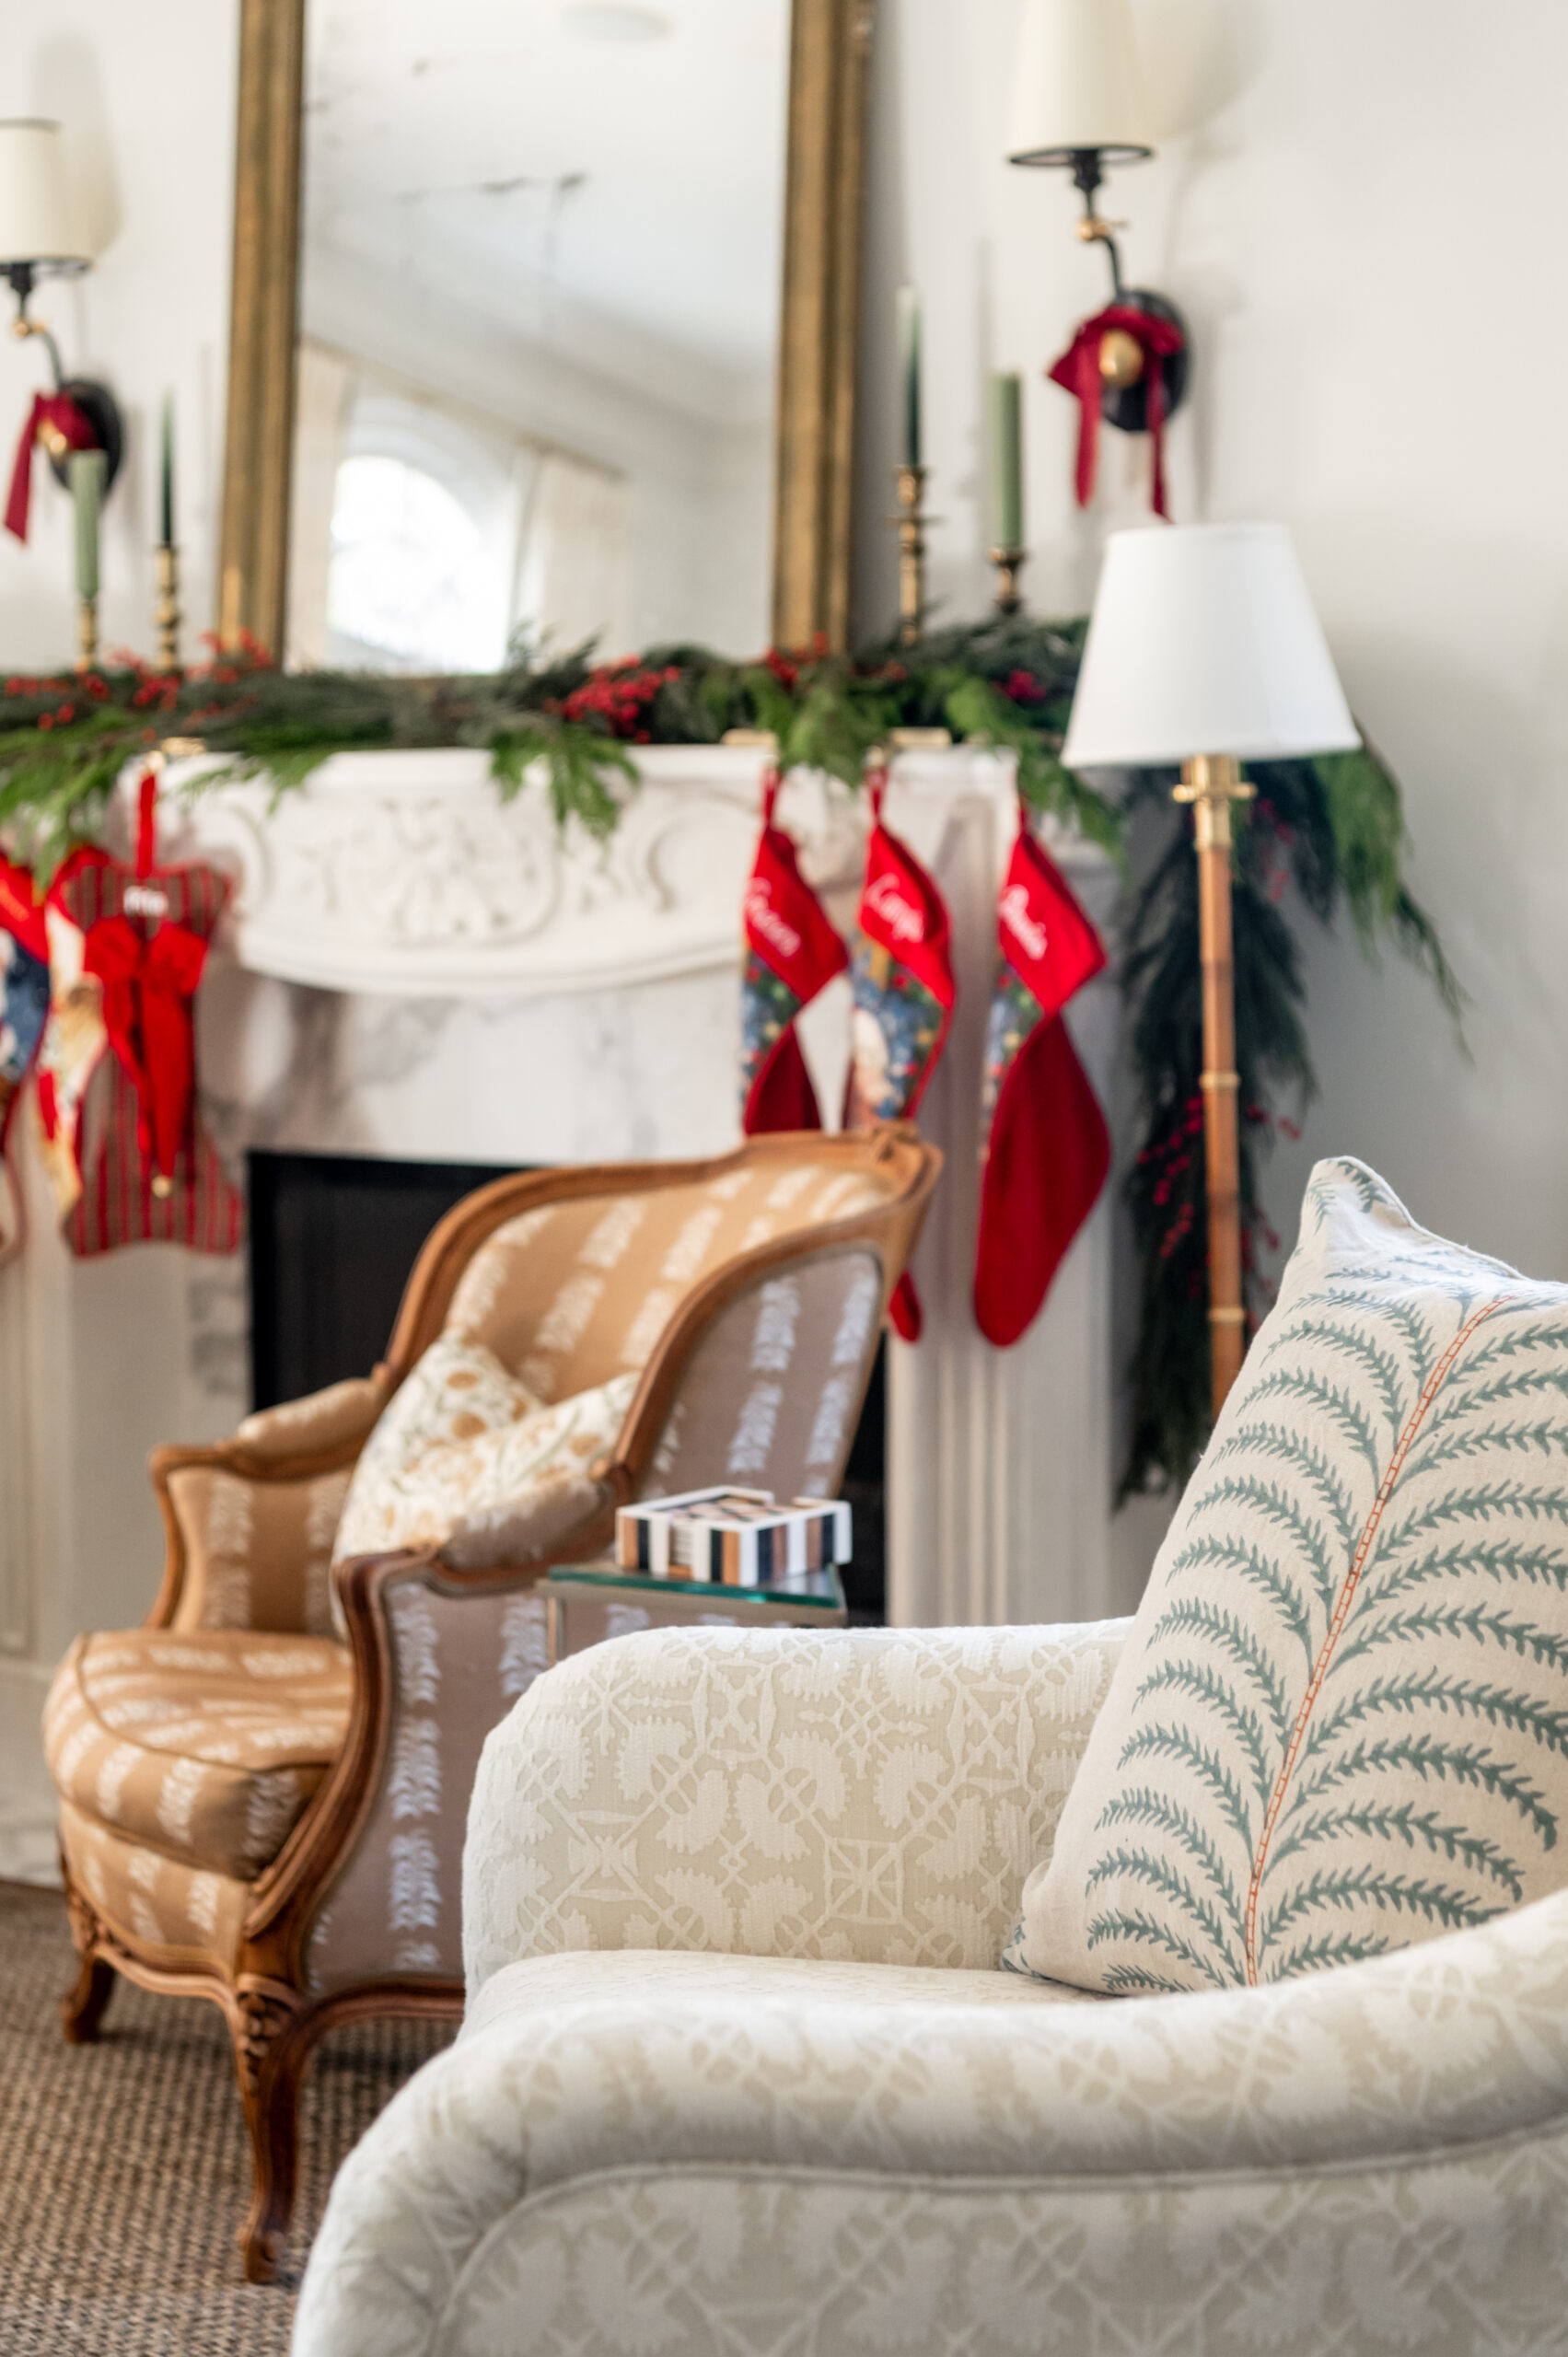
(270, 2054)
(82, 2006)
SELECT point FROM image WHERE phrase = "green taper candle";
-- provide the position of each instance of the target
(166, 475)
(1007, 450)
(909, 366)
(89, 469)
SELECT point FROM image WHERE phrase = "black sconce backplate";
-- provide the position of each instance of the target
(101, 410)
(1127, 406)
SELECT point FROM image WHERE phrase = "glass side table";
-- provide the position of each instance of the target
(591, 1602)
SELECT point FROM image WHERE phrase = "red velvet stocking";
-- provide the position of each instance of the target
(1048, 1151)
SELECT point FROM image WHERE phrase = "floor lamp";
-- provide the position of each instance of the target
(1204, 649)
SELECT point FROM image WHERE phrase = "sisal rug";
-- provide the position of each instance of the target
(125, 2168)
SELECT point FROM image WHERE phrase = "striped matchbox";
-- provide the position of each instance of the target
(735, 1537)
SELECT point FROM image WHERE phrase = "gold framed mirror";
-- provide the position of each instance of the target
(823, 45)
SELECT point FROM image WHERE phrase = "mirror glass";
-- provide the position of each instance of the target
(540, 268)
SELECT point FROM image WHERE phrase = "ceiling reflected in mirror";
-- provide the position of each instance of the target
(542, 263)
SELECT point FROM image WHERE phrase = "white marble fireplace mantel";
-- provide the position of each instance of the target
(416, 968)
(408, 874)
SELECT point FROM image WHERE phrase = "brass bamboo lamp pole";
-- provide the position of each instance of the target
(1211, 782)
(1205, 650)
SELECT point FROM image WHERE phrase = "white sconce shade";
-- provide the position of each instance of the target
(36, 222)
(1079, 84)
(1203, 640)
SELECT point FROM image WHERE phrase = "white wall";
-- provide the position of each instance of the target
(145, 95)
(1361, 212)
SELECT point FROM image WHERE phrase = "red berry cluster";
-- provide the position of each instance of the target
(620, 697)
(1022, 686)
(786, 664)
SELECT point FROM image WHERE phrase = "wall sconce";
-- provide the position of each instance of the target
(1079, 106)
(37, 239)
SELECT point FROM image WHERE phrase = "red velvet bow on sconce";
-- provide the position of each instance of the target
(1079, 106)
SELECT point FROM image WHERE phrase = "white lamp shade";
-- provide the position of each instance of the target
(1078, 83)
(1203, 640)
(36, 220)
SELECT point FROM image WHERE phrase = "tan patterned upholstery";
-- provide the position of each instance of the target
(573, 1293)
(324, 1420)
(187, 1912)
(206, 1748)
(257, 1554)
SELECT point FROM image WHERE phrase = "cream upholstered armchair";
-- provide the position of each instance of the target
(267, 1809)
(739, 2073)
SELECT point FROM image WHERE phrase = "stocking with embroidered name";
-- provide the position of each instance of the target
(792, 952)
(904, 995)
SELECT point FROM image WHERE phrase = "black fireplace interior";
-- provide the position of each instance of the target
(333, 1239)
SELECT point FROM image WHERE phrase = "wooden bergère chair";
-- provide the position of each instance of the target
(263, 1807)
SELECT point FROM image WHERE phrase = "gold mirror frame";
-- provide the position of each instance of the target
(829, 51)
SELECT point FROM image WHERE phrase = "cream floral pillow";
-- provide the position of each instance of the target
(1340, 1722)
(465, 1458)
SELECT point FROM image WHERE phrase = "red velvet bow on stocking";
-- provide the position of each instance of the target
(1078, 373)
(59, 410)
(147, 990)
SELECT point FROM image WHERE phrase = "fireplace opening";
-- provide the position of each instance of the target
(333, 1237)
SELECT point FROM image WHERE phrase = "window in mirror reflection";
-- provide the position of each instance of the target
(411, 581)
(429, 537)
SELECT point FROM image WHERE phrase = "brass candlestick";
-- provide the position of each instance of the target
(1009, 564)
(166, 612)
(86, 634)
(912, 522)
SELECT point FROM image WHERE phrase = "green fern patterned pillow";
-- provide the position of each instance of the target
(1340, 1722)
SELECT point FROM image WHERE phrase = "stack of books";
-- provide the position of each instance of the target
(734, 1538)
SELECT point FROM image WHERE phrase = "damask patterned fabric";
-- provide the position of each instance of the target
(870, 1794)
(1341, 1725)
(466, 1458)
(576, 1291)
(206, 1748)
(258, 1553)
(728, 2156)
(143, 1895)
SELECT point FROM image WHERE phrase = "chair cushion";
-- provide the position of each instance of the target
(1340, 1722)
(206, 1747)
(465, 1458)
(627, 1978)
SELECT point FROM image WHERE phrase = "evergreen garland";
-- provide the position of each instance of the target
(1333, 828)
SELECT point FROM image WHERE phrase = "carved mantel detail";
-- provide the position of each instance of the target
(408, 874)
